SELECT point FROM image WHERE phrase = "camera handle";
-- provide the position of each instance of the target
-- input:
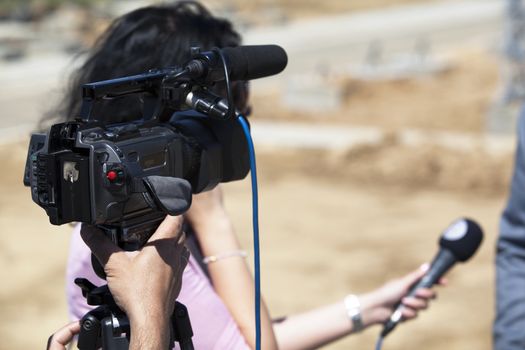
(107, 327)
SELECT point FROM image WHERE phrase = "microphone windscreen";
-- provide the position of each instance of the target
(256, 61)
(462, 238)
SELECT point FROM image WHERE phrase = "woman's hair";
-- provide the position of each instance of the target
(147, 38)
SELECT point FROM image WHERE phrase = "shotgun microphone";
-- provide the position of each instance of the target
(244, 63)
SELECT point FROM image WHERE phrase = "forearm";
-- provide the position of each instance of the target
(233, 281)
(150, 317)
(313, 329)
(149, 332)
(320, 326)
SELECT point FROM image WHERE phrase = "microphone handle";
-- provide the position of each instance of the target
(443, 261)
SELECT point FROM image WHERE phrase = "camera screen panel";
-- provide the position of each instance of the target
(153, 160)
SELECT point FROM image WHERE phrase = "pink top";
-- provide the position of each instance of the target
(212, 324)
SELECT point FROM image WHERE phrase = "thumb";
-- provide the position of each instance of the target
(63, 336)
(170, 228)
(415, 275)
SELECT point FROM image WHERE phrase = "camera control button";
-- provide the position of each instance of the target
(112, 175)
(115, 176)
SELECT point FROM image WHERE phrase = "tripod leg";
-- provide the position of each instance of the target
(110, 340)
(181, 327)
(88, 339)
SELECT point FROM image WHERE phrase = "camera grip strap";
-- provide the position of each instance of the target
(171, 195)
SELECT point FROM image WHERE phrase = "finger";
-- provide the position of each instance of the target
(170, 227)
(63, 336)
(415, 275)
(443, 281)
(415, 303)
(180, 264)
(177, 249)
(408, 313)
(184, 258)
(98, 243)
(426, 293)
(181, 239)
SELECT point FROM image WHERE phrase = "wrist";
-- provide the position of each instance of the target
(369, 309)
(373, 312)
(157, 312)
(149, 330)
(353, 312)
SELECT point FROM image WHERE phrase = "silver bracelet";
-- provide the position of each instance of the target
(353, 310)
(232, 254)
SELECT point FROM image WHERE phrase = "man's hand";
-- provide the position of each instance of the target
(144, 283)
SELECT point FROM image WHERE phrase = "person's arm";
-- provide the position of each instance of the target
(234, 284)
(325, 324)
(231, 277)
(144, 283)
(509, 324)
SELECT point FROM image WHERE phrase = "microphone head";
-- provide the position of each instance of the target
(255, 61)
(462, 238)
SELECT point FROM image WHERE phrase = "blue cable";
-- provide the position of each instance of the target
(379, 343)
(255, 209)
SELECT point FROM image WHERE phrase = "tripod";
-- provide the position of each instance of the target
(107, 326)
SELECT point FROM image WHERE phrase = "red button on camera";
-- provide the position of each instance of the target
(112, 175)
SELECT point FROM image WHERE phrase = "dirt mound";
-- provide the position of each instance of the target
(455, 99)
(393, 164)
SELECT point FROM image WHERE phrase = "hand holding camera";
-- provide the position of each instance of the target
(144, 283)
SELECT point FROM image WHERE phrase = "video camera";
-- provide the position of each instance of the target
(121, 177)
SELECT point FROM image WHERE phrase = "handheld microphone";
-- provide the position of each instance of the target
(244, 63)
(458, 242)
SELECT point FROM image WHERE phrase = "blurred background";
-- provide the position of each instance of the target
(392, 119)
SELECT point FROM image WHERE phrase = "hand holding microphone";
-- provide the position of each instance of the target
(377, 305)
(458, 242)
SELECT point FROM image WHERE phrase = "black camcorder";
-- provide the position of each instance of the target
(122, 177)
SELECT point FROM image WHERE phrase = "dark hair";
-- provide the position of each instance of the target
(150, 37)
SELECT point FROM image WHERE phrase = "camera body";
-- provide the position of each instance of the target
(109, 175)
(125, 178)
